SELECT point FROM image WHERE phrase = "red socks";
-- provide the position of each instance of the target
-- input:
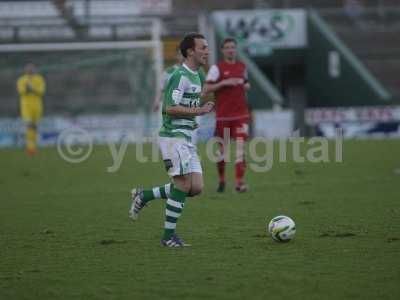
(221, 170)
(240, 168)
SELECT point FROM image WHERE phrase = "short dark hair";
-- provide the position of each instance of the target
(228, 40)
(188, 42)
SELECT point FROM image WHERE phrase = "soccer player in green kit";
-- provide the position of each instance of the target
(181, 105)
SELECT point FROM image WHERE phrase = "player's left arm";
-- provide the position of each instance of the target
(39, 86)
(246, 85)
(204, 97)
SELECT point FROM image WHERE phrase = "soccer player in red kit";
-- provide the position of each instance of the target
(228, 80)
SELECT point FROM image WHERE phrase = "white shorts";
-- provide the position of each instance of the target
(180, 156)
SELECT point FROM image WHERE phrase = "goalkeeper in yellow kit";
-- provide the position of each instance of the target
(31, 87)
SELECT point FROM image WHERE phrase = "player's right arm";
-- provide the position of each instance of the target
(21, 86)
(39, 88)
(173, 97)
(213, 84)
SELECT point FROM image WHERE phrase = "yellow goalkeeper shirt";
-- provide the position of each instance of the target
(31, 88)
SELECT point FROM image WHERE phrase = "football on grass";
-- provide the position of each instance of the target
(282, 228)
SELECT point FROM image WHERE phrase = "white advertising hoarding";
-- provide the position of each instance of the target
(356, 122)
(273, 124)
(134, 128)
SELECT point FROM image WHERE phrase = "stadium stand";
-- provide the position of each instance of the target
(382, 26)
(60, 20)
(64, 21)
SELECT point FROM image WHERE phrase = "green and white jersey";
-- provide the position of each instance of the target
(184, 89)
(167, 75)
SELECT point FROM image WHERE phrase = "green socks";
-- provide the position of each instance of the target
(163, 192)
(173, 211)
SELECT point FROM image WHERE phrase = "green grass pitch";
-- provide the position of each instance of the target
(65, 232)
